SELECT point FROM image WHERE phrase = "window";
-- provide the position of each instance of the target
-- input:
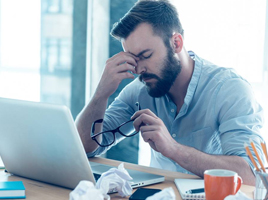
(20, 49)
(35, 50)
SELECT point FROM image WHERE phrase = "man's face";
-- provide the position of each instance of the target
(157, 65)
(170, 68)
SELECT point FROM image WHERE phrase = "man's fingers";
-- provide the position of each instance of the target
(149, 136)
(125, 75)
(122, 58)
(144, 111)
(119, 67)
(143, 119)
(144, 129)
(126, 67)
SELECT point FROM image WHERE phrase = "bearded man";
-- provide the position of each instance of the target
(194, 115)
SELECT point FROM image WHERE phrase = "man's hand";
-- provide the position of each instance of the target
(154, 131)
(117, 68)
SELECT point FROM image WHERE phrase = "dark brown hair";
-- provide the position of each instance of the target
(161, 14)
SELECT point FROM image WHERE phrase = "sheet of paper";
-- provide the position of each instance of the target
(1, 164)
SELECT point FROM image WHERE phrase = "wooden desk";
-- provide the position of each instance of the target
(38, 190)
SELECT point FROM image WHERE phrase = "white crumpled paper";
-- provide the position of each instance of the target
(112, 179)
(116, 178)
(238, 196)
(165, 194)
(86, 190)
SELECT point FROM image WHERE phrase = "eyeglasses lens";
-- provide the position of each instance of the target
(108, 135)
(128, 129)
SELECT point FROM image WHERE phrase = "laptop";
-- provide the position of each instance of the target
(40, 141)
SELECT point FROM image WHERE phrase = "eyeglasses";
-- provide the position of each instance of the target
(126, 129)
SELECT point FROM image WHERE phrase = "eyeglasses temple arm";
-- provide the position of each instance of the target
(93, 125)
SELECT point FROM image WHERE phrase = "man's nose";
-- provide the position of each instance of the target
(140, 68)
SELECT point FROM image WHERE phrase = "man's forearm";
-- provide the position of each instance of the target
(93, 111)
(197, 162)
(119, 67)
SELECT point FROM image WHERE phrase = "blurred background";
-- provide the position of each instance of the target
(54, 51)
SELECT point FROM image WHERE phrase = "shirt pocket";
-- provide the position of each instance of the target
(204, 140)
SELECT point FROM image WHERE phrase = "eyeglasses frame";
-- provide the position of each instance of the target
(93, 136)
(116, 130)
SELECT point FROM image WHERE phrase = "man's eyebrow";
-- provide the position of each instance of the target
(142, 52)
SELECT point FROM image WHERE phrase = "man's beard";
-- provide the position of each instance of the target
(169, 73)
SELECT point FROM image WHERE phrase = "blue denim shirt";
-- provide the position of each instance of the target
(218, 116)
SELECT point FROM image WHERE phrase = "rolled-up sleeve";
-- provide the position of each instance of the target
(240, 118)
(120, 111)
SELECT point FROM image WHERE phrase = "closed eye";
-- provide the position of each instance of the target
(146, 57)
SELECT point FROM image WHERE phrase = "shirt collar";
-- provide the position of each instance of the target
(195, 78)
(193, 82)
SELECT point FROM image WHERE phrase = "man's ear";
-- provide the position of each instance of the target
(177, 42)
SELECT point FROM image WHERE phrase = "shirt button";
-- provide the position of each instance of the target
(172, 110)
(173, 135)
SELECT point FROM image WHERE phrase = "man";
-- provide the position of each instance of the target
(194, 114)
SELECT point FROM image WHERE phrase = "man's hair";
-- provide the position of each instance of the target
(161, 14)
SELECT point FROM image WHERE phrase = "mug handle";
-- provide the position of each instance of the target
(239, 183)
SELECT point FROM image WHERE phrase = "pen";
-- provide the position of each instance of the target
(194, 191)
(257, 155)
(251, 157)
(263, 145)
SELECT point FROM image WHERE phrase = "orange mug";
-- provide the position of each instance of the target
(219, 183)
